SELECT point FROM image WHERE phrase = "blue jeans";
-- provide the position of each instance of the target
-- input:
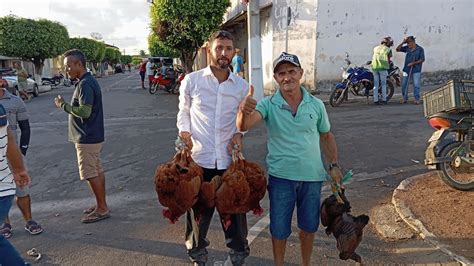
(8, 254)
(380, 77)
(416, 85)
(284, 194)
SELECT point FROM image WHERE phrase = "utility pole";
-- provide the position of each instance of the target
(288, 20)
(255, 48)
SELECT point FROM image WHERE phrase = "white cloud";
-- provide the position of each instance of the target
(123, 23)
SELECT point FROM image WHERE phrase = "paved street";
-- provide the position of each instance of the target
(381, 144)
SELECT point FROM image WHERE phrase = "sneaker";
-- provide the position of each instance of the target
(377, 103)
(384, 102)
(416, 102)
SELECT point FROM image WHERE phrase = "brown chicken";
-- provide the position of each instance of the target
(243, 186)
(177, 184)
(207, 196)
(258, 185)
(346, 228)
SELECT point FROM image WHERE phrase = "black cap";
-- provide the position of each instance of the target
(286, 58)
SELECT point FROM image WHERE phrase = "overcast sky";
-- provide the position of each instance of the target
(123, 23)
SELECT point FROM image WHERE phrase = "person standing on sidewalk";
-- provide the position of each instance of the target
(380, 67)
(415, 56)
(86, 131)
(208, 105)
(17, 116)
(298, 130)
(238, 64)
(142, 71)
(149, 72)
(22, 79)
(9, 180)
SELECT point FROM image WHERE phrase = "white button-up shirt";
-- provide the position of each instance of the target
(208, 111)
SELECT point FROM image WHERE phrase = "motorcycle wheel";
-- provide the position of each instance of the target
(176, 88)
(35, 90)
(153, 89)
(460, 181)
(336, 97)
(390, 90)
(67, 82)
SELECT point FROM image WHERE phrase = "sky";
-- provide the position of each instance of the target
(123, 23)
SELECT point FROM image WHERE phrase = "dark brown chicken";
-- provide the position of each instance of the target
(243, 186)
(207, 196)
(177, 184)
(346, 228)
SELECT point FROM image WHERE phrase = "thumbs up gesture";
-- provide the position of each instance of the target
(247, 106)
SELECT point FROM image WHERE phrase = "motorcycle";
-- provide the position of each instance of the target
(359, 80)
(170, 82)
(451, 147)
(56, 81)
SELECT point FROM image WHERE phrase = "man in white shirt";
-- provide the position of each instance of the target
(208, 106)
(149, 72)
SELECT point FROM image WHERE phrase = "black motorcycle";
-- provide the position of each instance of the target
(451, 147)
(56, 81)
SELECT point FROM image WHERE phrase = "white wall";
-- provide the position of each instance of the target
(301, 33)
(444, 28)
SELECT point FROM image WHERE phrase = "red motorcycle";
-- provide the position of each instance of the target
(169, 82)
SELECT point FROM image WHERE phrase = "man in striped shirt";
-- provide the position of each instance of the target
(9, 153)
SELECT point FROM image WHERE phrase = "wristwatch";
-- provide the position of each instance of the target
(332, 165)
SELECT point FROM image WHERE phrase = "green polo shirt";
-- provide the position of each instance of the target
(293, 140)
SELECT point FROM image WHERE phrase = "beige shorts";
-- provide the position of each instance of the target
(88, 160)
(23, 86)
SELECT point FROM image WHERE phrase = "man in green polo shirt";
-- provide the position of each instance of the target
(298, 131)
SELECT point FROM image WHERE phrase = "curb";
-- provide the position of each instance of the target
(409, 218)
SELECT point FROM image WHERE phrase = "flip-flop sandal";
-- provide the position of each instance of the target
(33, 228)
(89, 210)
(6, 231)
(95, 217)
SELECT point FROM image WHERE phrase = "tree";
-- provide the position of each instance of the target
(112, 55)
(33, 40)
(185, 25)
(159, 48)
(136, 60)
(93, 50)
(142, 53)
(126, 59)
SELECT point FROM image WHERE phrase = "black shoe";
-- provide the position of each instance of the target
(377, 103)
(384, 102)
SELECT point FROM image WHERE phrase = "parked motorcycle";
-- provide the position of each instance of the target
(359, 80)
(169, 82)
(56, 81)
(451, 147)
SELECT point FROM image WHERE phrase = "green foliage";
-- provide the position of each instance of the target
(142, 53)
(112, 55)
(136, 60)
(126, 59)
(185, 25)
(34, 40)
(92, 49)
(158, 48)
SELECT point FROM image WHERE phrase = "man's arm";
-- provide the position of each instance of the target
(399, 47)
(16, 161)
(183, 121)
(247, 117)
(329, 149)
(24, 135)
(82, 111)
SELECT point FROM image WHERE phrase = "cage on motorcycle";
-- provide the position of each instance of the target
(170, 74)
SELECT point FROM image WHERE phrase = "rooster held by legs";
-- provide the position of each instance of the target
(346, 228)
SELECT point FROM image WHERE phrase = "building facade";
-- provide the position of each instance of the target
(322, 31)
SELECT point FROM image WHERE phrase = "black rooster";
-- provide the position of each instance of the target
(346, 228)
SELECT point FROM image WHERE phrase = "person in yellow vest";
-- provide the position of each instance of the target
(380, 67)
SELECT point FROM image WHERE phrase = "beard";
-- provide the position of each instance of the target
(222, 63)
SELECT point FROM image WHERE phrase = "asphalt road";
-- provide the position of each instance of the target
(381, 144)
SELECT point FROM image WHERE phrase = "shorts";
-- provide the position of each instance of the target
(22, 86)
(284, 195)
(88, 160)
(142, 75)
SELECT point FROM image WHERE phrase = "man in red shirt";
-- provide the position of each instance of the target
(142, 70)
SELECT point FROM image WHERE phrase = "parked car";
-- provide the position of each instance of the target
(12, 80)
